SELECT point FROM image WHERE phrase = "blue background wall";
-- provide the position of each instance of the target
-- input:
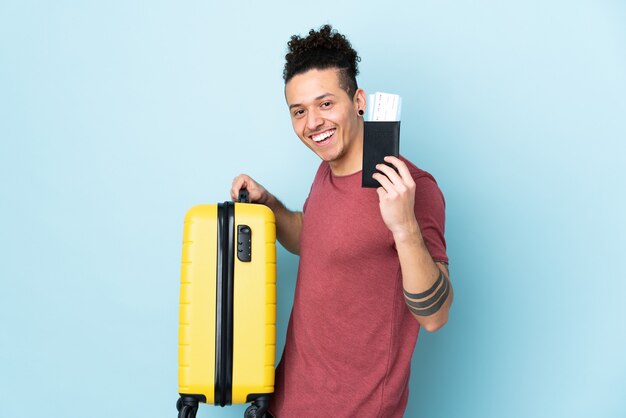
(116, 117)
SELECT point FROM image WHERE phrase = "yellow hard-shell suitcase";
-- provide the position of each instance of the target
(227, 330)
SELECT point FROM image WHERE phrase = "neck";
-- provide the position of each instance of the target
(352, 161)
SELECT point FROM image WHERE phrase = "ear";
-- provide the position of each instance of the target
(360, 100)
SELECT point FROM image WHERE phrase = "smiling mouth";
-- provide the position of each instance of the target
(323, 137)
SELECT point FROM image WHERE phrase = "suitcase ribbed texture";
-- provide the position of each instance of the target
(254, 305)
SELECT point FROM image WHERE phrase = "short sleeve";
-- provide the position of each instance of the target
(430, 208)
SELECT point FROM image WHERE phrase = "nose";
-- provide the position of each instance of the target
(313, 120)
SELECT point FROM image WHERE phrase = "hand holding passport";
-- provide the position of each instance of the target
(381, 136)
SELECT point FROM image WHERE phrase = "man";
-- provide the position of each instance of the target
(373, 266)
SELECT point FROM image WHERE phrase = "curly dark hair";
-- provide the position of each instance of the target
(321, 50)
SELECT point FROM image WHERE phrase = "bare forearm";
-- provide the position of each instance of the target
(288, 224)
(427, 288)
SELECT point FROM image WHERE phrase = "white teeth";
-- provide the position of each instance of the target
(322, 136)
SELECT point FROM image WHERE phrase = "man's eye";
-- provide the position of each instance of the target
(326, 104)
(298, 112)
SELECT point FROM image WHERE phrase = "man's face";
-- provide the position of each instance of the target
(326, 119)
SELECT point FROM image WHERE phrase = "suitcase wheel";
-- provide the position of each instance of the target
(187, 407)
(253, 411)
(187, 412)
(250, 412)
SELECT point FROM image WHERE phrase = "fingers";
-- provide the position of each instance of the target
(381, 193)
(401, 178)
(393, 182)
(396, 195)
(384, 181)
(256, 192)
(390, 173)
(239, 182)
(403, 170)
(236, 186)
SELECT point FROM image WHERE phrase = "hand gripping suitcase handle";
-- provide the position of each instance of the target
(243, 196)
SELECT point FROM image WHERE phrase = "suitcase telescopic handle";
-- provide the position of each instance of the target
(243, 196)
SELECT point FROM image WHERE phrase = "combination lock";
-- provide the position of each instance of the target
(244, 243)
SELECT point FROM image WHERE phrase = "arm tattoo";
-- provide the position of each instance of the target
(426, 293)
(431, 300)
(432, 304)
(445, 265)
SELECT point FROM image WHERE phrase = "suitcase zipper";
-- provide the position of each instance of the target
(224, 304)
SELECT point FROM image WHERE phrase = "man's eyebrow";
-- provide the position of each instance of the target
(323, 96)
